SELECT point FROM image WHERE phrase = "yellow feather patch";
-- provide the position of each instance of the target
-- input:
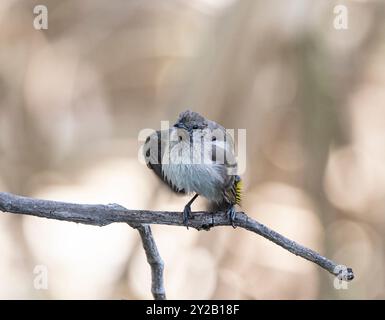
(238, 191)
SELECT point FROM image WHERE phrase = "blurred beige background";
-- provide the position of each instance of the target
(73, 99)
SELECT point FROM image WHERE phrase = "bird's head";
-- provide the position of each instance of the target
(190, 121)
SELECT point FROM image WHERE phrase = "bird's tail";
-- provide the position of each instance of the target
(238, 185)
(232, 196)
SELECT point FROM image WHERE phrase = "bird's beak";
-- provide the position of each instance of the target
(180, 125)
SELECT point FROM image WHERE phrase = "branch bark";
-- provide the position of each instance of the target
(101, 215)
(153, 259)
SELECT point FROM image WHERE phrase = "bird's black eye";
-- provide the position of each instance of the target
(195, 126)
(148, 139)
(214, 139)
(148, 152)
(180, 138)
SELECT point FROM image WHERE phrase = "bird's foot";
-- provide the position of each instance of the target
(186, 214)
(231, 213)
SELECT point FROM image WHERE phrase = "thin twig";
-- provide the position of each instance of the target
(153, 259)
(102, 215)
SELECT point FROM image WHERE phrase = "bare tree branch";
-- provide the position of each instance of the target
(102, 215)
(153, 259)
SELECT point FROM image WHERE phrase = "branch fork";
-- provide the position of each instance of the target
(101, 215)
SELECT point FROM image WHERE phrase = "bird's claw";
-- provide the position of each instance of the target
(186, 215)
(231, 212)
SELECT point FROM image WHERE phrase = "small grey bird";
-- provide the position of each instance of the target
(196, 155)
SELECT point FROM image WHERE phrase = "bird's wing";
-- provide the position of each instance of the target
(222, 153)
(153, 151)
